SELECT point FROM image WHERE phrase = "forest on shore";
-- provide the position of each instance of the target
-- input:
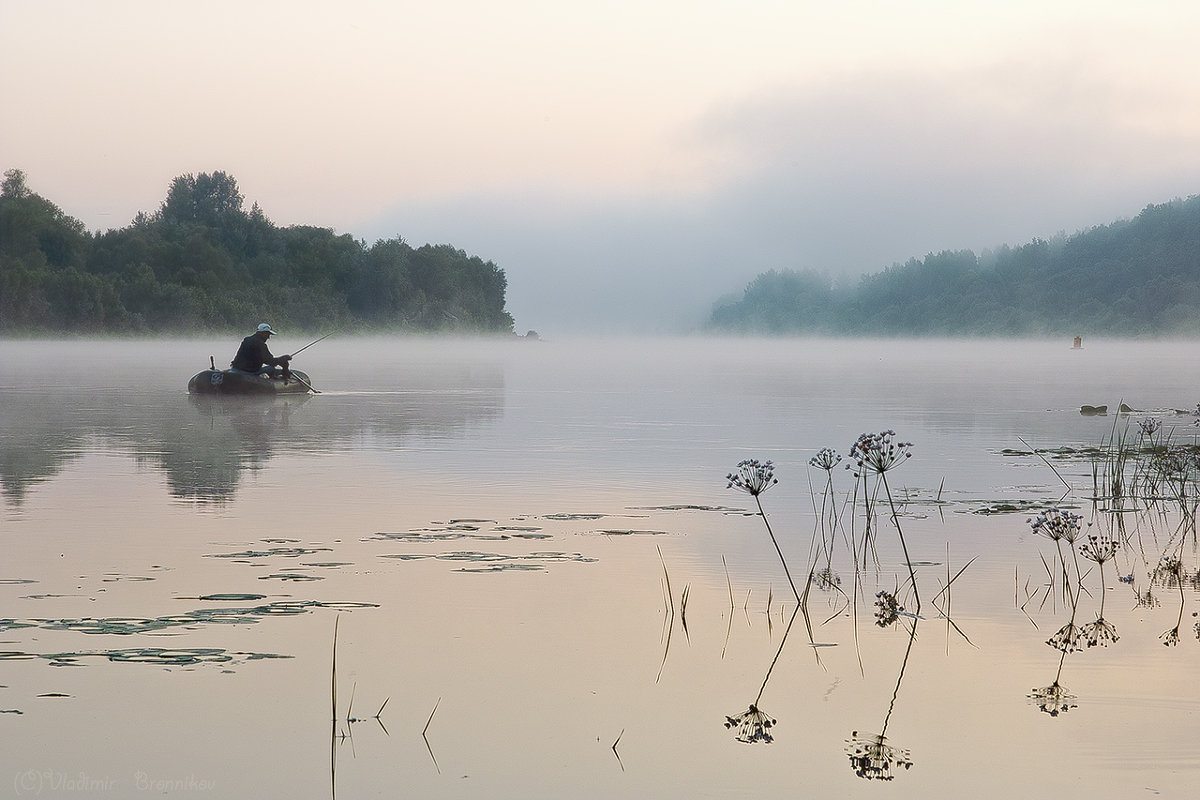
(202, 263)
(1137, 277)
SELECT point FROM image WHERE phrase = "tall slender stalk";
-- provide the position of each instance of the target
(903, 546)
(878, 453)
(782, 560)
(754, 477)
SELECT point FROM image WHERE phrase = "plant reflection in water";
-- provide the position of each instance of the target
(873, 455)
(1159, 489)
(1101, 549)
(338, 736)
(1169, 575)
(753, 725)
(871, 757)
(1055, 698)
(1061, 526)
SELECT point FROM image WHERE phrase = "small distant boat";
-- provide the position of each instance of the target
(231, 382)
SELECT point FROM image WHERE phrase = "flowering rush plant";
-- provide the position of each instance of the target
(1056, 524)
(752, 477)
(877, 453)
(1099, 548)
(826, 459)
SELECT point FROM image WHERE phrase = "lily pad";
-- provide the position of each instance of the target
(685, 507)
(284, 552)
(528, 561)
(1009, 507)
(221, 615)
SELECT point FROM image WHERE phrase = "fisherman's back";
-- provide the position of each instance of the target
(252, 354)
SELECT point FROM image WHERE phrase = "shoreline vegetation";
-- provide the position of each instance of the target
(204, 264)
(1130, 278)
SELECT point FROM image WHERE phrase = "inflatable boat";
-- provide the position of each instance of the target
(228, 381)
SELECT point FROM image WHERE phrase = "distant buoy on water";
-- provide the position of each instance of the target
(1078, 343)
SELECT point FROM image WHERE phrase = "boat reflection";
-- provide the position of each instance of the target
(205, 445)
(243, 433)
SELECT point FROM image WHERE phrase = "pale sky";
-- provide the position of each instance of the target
(626, 163)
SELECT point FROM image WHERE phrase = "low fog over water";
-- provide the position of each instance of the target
(543, 586)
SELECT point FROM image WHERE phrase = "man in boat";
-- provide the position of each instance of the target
(254, 357)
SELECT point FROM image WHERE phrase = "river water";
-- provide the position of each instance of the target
(513, 569)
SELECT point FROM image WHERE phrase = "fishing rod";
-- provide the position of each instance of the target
(292, 376)
(310, 344)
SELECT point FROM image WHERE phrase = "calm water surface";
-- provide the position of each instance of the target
(543, 588)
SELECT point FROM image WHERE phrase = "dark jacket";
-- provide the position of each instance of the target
(252, 354)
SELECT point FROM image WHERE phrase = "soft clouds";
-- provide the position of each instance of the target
(873, 168)
(846, 176)
(625, 162)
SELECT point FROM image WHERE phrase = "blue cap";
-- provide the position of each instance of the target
(265, 328)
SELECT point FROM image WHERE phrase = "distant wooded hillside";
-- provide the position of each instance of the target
(1131, 278)
(201, 262)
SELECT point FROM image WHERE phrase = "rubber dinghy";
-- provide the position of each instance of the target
(227, 381)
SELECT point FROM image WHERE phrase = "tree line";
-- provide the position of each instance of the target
(202, 262)
(1137, 277)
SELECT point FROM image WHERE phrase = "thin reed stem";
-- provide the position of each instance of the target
(896, 519)
(782, 560)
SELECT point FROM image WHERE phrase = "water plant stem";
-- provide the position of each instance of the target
(896, 519)
(782, 560)
(778, 653)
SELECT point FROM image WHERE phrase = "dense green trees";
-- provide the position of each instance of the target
(1131, 278)
(774, 300)
(202, 262)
